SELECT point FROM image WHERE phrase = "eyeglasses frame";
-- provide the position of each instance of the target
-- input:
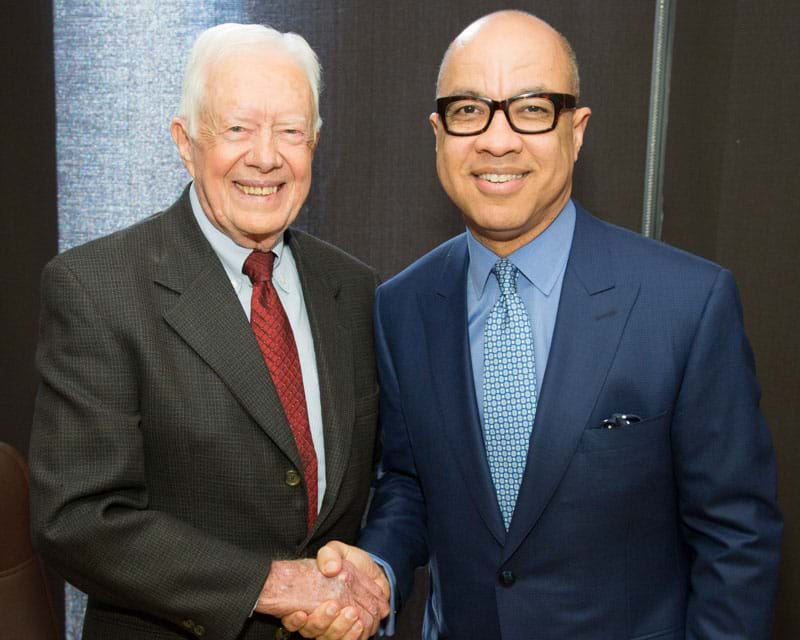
(560, 101)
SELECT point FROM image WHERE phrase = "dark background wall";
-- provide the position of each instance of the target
(29, 224)
(732, 183)
(733, 195)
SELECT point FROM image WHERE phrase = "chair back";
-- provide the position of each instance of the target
(25, 607)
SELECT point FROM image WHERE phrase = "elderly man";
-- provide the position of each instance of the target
(570, 419)
(207, 413)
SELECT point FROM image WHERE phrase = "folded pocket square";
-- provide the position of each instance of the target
(619, 420)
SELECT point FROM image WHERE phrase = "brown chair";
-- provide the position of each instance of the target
(26, 611)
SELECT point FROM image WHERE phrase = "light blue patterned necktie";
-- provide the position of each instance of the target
(509, 388)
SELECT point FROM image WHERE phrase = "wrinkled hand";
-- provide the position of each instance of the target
(298, 586)
(329, 621)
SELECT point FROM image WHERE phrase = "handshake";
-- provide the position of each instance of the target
(342, 595)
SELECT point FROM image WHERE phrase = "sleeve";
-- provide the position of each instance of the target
(725, 471)
(389, 623)
(92, 518)
(396, 523)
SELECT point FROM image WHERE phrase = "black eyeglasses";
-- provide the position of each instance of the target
(526, 113)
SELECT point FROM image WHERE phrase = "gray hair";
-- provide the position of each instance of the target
(215, 43)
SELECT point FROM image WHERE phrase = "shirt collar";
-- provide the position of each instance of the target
(230, 254)
(540, 261)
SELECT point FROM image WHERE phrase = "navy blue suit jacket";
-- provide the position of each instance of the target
(667, 528)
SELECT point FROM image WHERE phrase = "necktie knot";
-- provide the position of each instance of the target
(258, 266)
(506, 273)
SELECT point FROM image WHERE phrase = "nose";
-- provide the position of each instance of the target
(499, 139)
(264, 154)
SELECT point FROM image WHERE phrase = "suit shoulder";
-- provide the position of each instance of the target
(323, 250)
(640, 256)
(426, 270)
(330, 258)
(116, 250)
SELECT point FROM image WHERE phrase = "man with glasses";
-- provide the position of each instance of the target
(571, 433)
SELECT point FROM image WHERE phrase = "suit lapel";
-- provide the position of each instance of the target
(207, 314)
(592, 314)
(334, 357)
(444, 312)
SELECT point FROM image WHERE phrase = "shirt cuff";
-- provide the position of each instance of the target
(387, 625)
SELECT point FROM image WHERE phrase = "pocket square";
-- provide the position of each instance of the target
(619, 420)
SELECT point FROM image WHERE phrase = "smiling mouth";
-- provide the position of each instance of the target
(257, 191)
(501, 177)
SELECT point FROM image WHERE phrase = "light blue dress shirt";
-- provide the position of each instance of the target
(542, 264)
(287, 283)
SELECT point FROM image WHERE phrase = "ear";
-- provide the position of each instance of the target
(179, 131)
(434, 120)
(580, 118)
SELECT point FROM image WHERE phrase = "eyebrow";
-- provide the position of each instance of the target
(254, 115)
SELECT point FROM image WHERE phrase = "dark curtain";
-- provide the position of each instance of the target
(733, 195)
(731, 185)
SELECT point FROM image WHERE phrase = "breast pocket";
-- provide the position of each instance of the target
(649, 431)
(623, 478)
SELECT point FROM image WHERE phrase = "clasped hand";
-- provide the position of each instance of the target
(342, 595)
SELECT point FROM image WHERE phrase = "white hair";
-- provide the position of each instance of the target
(225, 39)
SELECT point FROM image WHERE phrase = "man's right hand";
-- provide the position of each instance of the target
(330, 622)
(297, 586)
(333, 555)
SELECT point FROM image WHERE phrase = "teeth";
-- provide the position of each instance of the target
(501, 177)
(257, 191)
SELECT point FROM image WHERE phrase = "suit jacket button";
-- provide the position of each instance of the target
(282, 634)
(199, 630)
(507, 578)
(292, 478)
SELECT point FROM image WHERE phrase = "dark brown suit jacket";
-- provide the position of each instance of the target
(160, 450)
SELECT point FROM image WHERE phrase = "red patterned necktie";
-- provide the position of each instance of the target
(274, 334)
